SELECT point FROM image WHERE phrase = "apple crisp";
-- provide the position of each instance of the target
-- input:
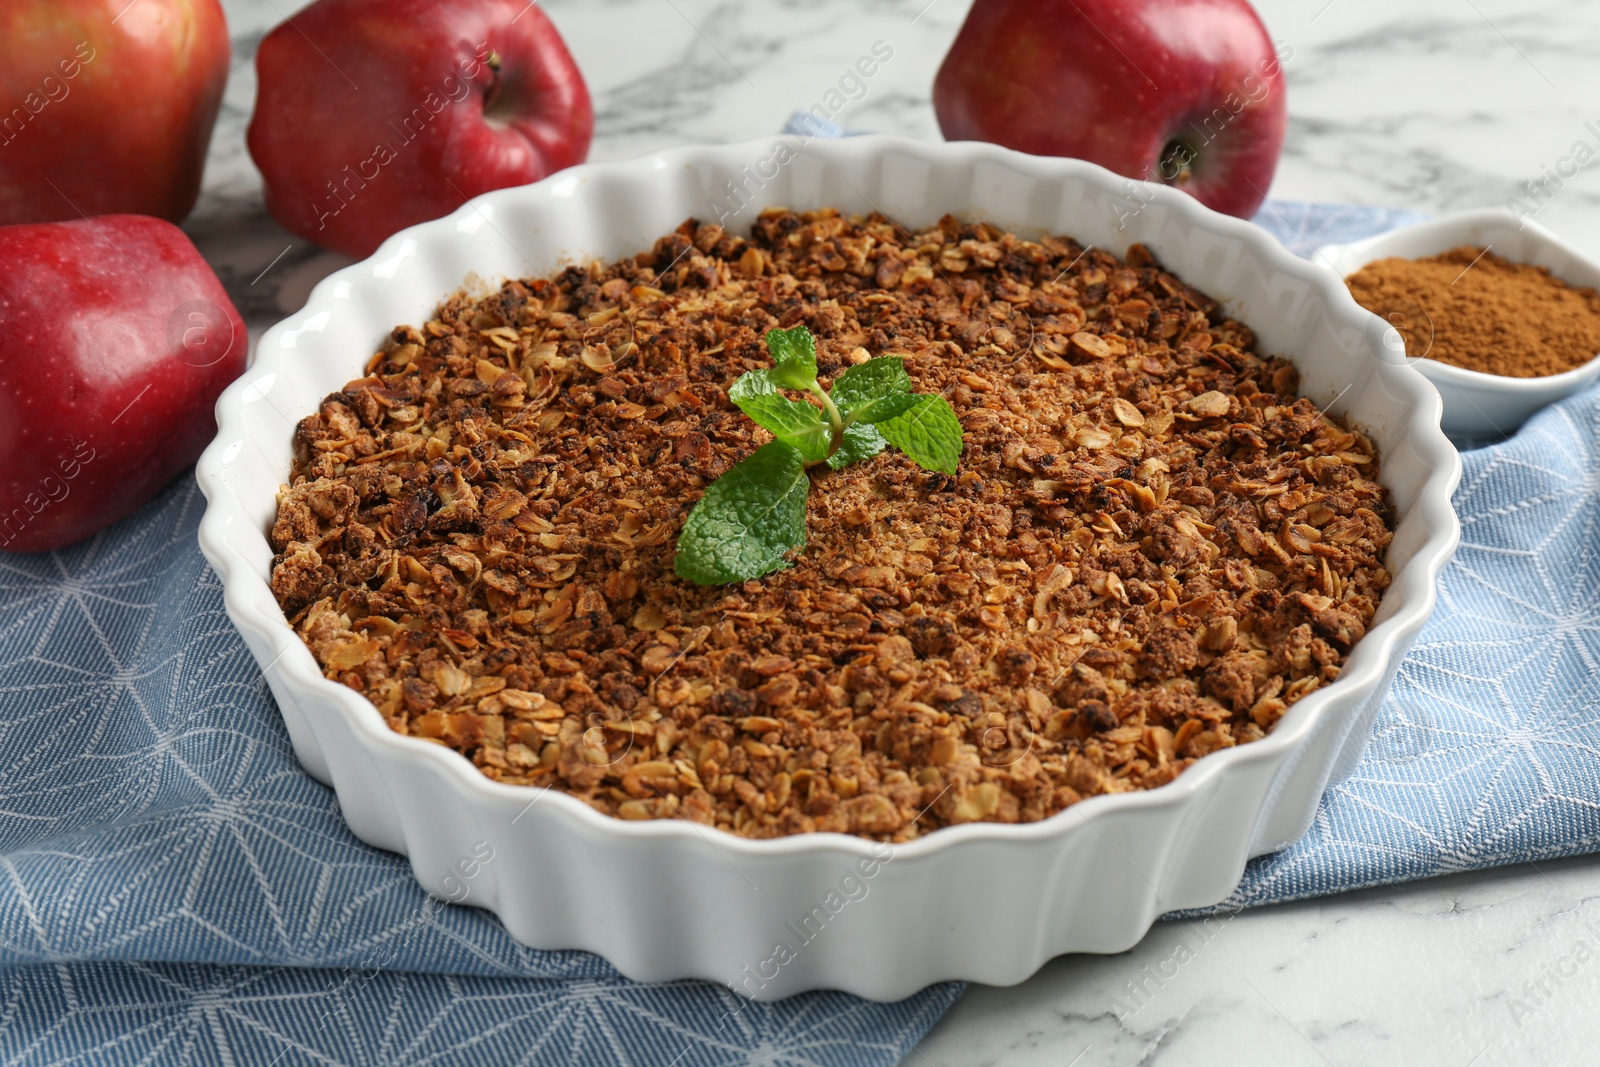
(1150, 549)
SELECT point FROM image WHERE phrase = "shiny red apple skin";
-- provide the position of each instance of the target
(115, 340)
(374, 115)
(1118, 81)
(126, 97)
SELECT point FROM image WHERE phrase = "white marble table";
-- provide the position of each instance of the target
(1430, 104)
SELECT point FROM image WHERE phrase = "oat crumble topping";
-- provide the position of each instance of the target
(1151, 547)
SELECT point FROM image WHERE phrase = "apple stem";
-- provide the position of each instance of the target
(492, 93)
(1177, 162)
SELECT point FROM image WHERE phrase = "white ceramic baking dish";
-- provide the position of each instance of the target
(672, 899)
(1478, 405)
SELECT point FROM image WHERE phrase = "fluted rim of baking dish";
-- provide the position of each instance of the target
(254, 609)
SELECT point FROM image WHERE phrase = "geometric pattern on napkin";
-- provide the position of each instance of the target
(127, 1013)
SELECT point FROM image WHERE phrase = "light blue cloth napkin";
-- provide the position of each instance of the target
(173, 888)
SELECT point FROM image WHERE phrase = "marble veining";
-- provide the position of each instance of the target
(1435, 105)
(1496, 967)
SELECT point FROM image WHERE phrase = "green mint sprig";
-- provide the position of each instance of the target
(752, 518)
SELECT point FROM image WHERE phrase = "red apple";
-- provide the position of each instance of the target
(374, 115)
(115, 339)
(109, 105)
(1186, 92)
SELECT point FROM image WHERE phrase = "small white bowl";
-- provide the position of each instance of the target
(1478, 405)
(672, 899)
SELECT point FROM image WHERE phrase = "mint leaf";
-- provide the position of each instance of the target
(929, 433)
(801, 425)
(861, 441)
(749, 519)
(793, 423)
(885, 407)
(752, 518)
(751, 383)
(872, 380)
(794, 357)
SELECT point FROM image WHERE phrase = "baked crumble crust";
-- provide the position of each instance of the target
(1150, 550)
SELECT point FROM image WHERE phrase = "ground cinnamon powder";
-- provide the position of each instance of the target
(1473, 309)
